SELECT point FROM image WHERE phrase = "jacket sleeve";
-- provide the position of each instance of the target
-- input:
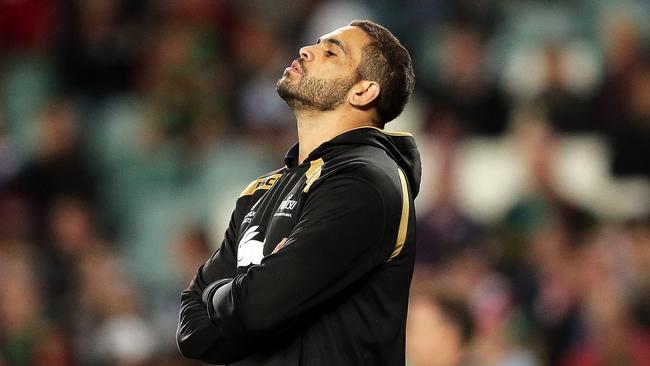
(195, 333)
(347, 228)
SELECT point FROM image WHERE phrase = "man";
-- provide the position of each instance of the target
(439, 327)
(317, 260)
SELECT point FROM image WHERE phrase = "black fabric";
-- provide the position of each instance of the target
(335, 292)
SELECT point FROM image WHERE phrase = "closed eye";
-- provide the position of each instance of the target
(329, 54)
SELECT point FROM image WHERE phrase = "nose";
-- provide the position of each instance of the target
(306, 53)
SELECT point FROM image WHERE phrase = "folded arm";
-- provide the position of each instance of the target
(347, 228)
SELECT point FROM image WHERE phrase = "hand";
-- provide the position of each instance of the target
(195, 285)
(281, 244)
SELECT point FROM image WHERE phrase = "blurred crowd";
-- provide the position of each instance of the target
(129, 127)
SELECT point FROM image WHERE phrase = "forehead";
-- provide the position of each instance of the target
(354, 38)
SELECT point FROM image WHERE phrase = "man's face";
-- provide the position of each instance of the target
(323, 75)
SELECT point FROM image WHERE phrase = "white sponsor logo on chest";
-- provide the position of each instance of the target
(286, 205)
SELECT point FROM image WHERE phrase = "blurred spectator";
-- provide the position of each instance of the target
(58, 168)
(624, 101)
(549, 290)
(630, 137)
(183, 85)
(612, 335)
(191, 249)
(541, 204)
(464, 91)
(109, 327)
(26, 336)
(439, 327)
(567, 110)
(97, 45)
(624, 54)
(71, 237)
(498, 339)
(444, 230)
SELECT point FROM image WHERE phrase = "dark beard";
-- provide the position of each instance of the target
(310, 94)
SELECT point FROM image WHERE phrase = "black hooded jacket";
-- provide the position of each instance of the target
(335, 291)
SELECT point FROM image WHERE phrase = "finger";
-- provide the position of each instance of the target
(280, 245)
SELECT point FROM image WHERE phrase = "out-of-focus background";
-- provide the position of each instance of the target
(128, 129)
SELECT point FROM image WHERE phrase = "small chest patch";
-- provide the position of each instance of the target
(286, 205)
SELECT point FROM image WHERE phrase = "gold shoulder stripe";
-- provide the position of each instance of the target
(404, 219)
(313, 173)
(390, 133)
(261, 183)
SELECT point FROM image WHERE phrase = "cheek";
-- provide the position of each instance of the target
(330, 70)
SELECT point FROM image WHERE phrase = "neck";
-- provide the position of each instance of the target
(315, 128)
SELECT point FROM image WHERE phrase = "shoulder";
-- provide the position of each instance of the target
(367, 165)
(263, 183)
(365, 162)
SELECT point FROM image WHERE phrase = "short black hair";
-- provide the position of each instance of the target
(388, 63)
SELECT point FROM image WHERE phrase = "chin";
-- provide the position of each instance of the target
(283, 89)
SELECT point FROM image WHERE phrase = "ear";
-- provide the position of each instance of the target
(363, 93)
